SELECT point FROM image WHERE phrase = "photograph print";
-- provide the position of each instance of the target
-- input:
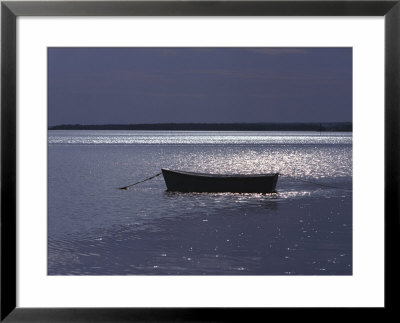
(200, 161)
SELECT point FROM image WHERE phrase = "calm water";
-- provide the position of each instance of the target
(95, 229)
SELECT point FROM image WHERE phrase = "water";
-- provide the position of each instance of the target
(96, 229)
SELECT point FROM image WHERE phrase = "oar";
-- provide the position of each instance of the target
(127, 187)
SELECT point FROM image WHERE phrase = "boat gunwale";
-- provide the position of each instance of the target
(220, 175)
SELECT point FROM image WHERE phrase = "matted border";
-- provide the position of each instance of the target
(11, 10)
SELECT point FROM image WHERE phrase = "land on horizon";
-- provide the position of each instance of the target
(312, 126)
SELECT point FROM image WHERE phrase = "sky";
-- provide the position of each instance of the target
(199, 85)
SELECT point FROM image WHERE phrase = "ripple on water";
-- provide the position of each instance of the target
(95, 229)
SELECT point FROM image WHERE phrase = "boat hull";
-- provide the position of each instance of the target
(179, 181)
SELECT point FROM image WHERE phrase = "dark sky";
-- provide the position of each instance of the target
(223, 85)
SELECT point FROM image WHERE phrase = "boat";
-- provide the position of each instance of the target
(182, 181)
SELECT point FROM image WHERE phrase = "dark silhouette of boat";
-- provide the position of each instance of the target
(181, 181)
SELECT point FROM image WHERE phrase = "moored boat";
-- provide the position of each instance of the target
(182, 181)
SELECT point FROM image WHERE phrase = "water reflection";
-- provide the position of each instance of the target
(251, 238)
(196, 137)
(303, 229)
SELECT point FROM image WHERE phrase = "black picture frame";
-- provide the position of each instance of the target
(10, 10)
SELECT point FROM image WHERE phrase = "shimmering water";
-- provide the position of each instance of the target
(95, 229)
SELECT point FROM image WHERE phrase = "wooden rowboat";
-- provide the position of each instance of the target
(181, 181)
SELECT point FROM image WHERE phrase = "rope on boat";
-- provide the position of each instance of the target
(147, 179)
(319, 184)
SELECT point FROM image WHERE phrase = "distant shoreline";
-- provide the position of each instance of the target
(320, 127)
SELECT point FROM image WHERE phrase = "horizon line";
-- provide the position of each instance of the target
(199, 123)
